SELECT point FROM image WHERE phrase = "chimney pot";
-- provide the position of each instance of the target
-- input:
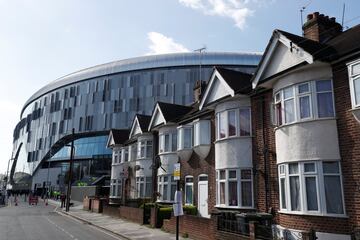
(333, 19)
(316, 14)
(309, 16)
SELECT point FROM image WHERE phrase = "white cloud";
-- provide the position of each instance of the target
(237, 10)
(162, 44)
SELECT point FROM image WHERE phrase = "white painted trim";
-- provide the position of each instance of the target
(210, 85)
(156, 111)
(136, 121)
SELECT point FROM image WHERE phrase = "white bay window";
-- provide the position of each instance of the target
(234, 188)
(166, 188)
(145, 149)
(354, 78)
(311, 188)
(202, 132)
(167, 142)
(304, 101)
(115, 188)
(185, 139)
(233, 123)
(143, 186)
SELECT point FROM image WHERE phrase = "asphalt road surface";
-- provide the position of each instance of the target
(41, 222)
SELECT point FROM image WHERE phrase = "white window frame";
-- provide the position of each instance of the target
(198, 134)
(160, 187)
(314, 113)
(226, 123)
(320, 188)
(239, 180)
(117, 183)
(352, 78)
(162, 142)
(189, 184)
(116, 157)
(140, 180)
(144, 144)
(181, 137)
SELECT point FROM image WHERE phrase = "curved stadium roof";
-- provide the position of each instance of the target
(149, 62)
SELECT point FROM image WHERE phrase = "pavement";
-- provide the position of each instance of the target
(123, 228)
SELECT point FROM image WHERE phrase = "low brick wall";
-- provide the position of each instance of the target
(132, 214)
(196, 227)
(96, 205)
(87, 204)
(110, 210)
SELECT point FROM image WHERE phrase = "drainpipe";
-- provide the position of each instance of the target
(265, 152)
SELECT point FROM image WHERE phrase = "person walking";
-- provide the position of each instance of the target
(62, 198)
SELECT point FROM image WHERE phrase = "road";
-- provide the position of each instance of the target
(41, 222)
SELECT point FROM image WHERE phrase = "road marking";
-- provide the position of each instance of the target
(92, 226)
(60, 228)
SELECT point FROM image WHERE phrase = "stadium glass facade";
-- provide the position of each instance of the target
(97, 99)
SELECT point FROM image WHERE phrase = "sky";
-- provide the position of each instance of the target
(42, 40)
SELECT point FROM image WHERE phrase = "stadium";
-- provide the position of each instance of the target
(95, 100)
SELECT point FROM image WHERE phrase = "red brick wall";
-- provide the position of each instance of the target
(264, 148)
(132, 214)
(349, 141)
(110, 210)
(196, 227)
(96, 205)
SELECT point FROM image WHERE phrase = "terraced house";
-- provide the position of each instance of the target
(269, 155)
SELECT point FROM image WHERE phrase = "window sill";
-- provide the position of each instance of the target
(304, 121)
(231, 138)
(167, 153)
(314, 214)
(234, 207)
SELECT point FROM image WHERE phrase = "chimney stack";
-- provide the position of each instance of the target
(198, 90)
(321, 28)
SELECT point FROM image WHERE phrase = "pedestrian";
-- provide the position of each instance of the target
(62, 198)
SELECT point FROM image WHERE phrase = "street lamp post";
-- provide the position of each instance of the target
(70, 172)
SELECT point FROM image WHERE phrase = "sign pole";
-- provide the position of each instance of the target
(177, 217)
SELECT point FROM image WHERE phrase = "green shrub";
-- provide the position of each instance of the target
(190, 210)
(163, 213)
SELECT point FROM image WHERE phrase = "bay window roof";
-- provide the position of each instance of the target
(301, 50)
(224, 83)
(165, 113)
(140, 124)
(117, 137)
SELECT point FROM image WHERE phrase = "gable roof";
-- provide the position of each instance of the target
(341, 45)
(233, 82)
(140, 121)
(117, 137)
(169, 112)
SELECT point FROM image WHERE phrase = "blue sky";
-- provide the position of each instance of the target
(41, 40)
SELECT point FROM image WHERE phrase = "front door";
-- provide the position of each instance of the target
(203, 196)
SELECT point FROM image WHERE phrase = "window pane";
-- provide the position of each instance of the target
(309, 167)
(330, 167)
(293, 168)
(283, 192)
(149, 151)
(232, 174)
(173, 142)
(277, 97)
(187, 138)
(142, 190)
(333, 194)
(303, 88)
(246, 174)
(232, 123)
(167, 143)
(244, 122)
(165, 192)
(188, 194)
(288, 92)
(323, 85)
(222, 193)
(246, 193)
(282, 169)
(289, 111)
(189, 179)
(233, 199)
(311, 194)
(355, 69)
(304, 107)
(222, 127)
(222, 174)
(357, 90)
(325, 104)
(295, 193)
